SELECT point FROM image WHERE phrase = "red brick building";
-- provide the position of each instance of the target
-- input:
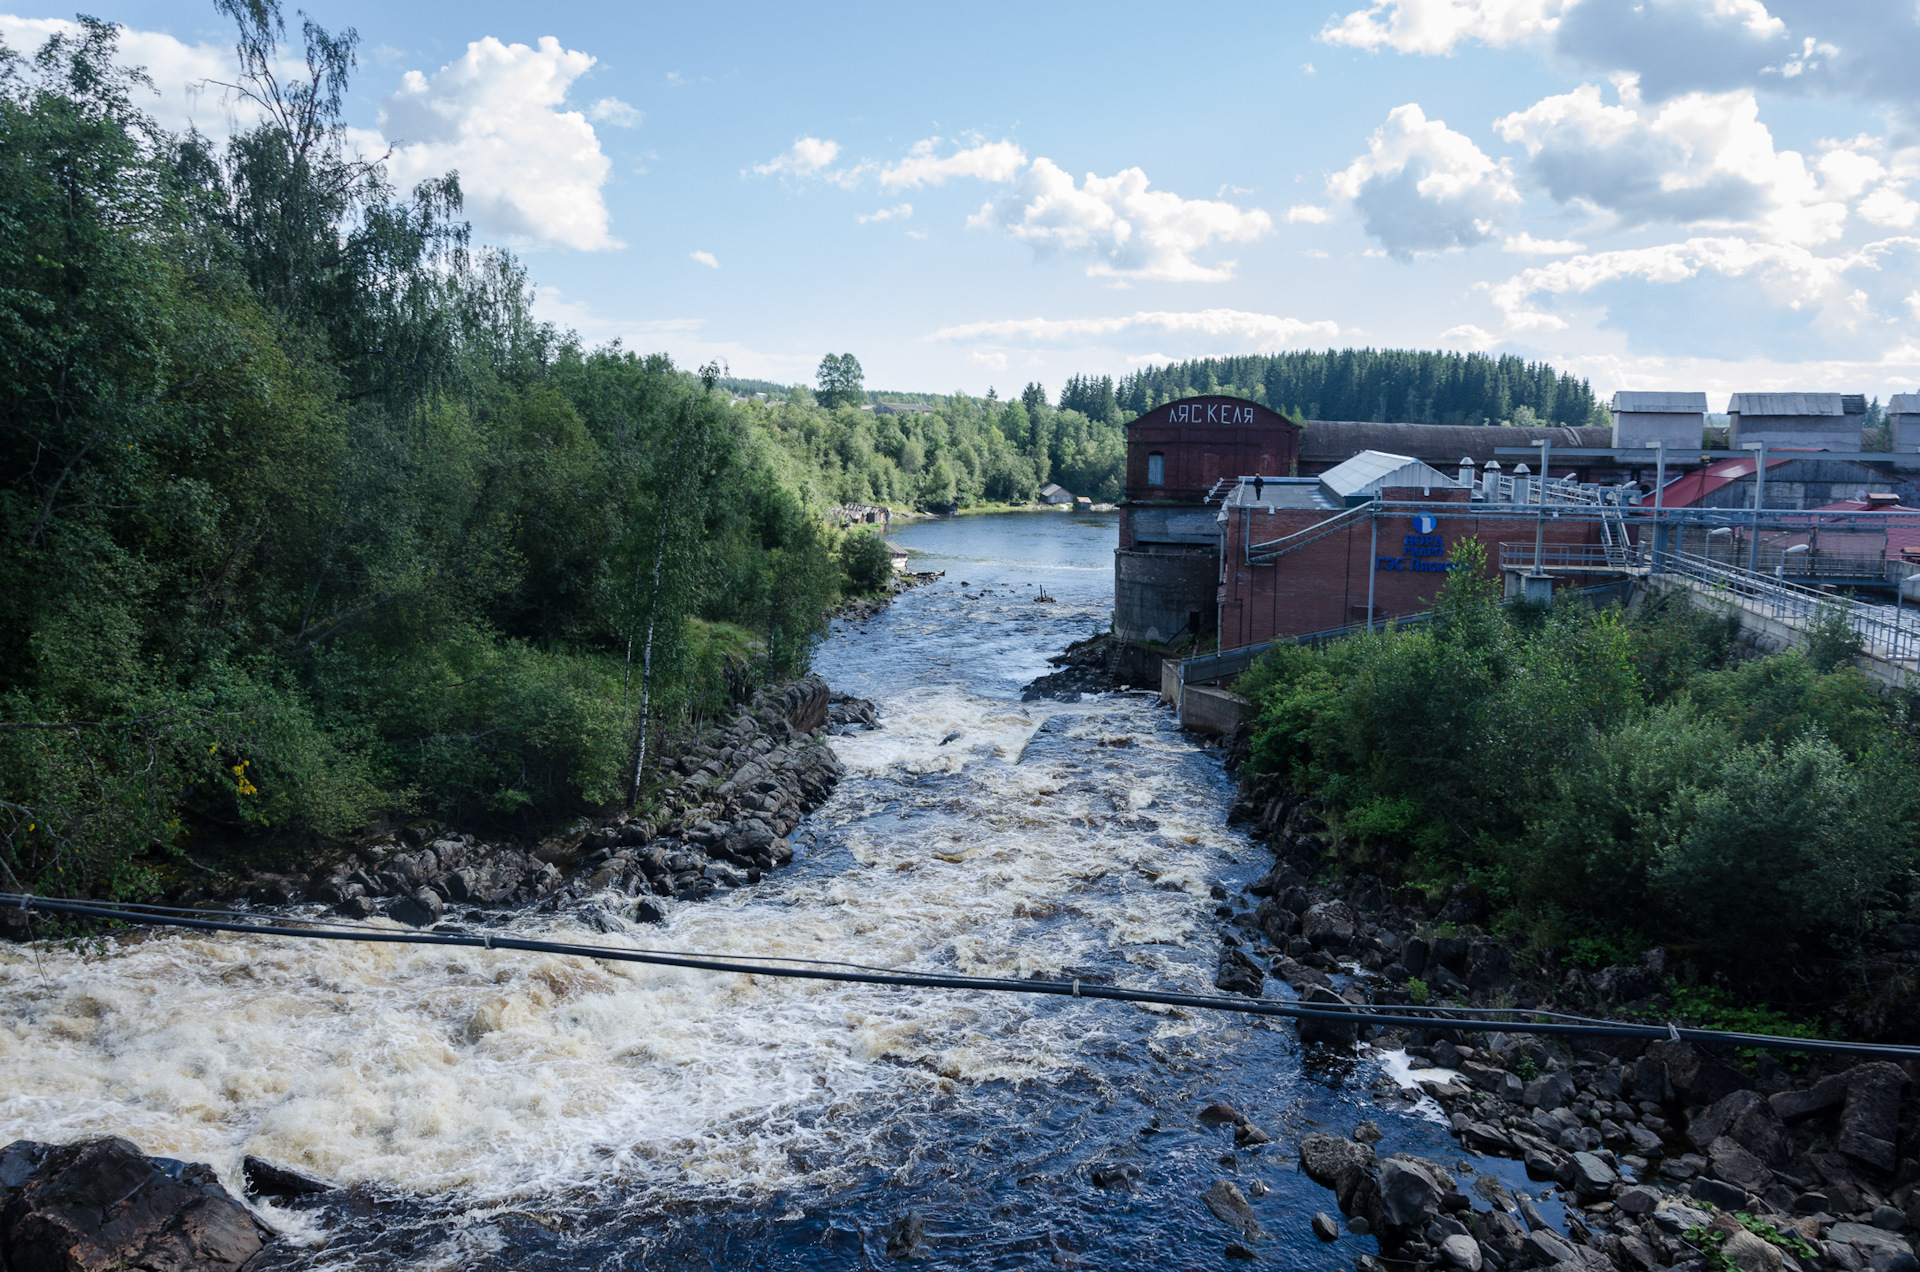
(1272, 587)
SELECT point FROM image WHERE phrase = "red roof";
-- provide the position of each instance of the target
(1685, 492)
(1904, 533)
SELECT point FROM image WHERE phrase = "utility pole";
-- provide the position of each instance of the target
(1759, 501)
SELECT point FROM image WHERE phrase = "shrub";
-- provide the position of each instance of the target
(865, 561)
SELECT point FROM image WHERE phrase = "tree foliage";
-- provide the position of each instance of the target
(306, 518)
(1596, 781)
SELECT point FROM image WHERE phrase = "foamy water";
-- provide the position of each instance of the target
(510, 1109)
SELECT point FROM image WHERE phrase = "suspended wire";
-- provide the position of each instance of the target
(1482, 1020)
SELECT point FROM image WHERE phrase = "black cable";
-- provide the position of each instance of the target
(1350, 1014)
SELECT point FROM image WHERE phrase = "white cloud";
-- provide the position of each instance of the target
(1888, 206)
(1308, 214)
(183, 96)
(530, 169)
(1525, 244)
(1698, 159)
(1469, 337)
(898, 212)
(1436, 26)
(986, 161)
(705, 258)
(992, 360)
(1422, 187)
(1755, 294)
(611, 110)
(1129, 231)
(805, 158)
(1262, 331)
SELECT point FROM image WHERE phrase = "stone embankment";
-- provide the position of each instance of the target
(723, 803)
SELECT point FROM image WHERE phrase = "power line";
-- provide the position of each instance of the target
(1481, 1020)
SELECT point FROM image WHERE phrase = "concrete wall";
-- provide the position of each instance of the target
(1148, 523)
(1642, 428)
(1205, 709)
(1828, 432)
(1155, 594)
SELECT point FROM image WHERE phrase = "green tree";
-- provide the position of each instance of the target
(841, 381)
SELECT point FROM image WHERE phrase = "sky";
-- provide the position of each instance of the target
(1719, 195)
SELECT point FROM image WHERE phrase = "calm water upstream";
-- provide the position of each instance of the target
(502, 1110)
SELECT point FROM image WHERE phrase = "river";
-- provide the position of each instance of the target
(502, 1110)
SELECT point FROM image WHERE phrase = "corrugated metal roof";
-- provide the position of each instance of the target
(1331, 441)
(1659, 402)
(1368, 471)
(1785, 404)
(1278, 492)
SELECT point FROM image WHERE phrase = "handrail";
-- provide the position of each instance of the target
(1892, 639)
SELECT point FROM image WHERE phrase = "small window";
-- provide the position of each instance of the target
(1156, 469)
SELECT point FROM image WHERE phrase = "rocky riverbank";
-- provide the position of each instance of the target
(718, 813)
(1665, 1155)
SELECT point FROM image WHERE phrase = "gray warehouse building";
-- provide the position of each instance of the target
(1829, 421)
(1641, 418)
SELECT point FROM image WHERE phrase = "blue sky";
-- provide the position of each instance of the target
(1703, 194)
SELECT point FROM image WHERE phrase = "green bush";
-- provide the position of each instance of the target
(865, 561)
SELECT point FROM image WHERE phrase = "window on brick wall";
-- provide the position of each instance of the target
(1156, 469)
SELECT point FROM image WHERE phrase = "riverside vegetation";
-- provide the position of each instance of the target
(1597, 783)
(308, 521)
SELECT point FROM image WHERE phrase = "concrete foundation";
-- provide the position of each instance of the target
(1205, 709)
(1161, 596)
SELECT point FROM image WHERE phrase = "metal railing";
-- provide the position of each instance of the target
(1888, 634)
(1571, 556)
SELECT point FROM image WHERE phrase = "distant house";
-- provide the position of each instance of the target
(1903, 413)
(1642, 418)
(901, 408)
(1056, 495)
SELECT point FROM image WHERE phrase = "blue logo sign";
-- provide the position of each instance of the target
(1425, 523)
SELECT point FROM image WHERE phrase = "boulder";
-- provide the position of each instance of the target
(1239, 974)
(1751, 1254)
(420, 908)
(1590, 1176)
(1325, 1158)
(1549, 1247)
(1326, 1227)
(1461, 1252)
(1735, 1165)
(1745, 1118)
(1411, 1191)
(1343, 1033)
(1328, 925)
(1870, 1120)
(1549, 1091)
(1230, 1206)
(1489, 968)
(267, 1179)
(1824, 1096)
(102, 1204)
(1637, 1201)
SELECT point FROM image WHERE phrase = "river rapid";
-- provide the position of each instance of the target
(495, 1109)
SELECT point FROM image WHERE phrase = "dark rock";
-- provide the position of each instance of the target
(1461, 1251)
(1889, 1218)
(265, 1179)
(1329, 925)
(1414, 956)
(1229, 1206)
(1735, 1165)
(1824, 1096)
(1590, 1177)
(420, 908)
(1114, 1176)
(1325, 1158)
(1446, 1055)
(102, 1204)
(1234, 1250)
(1341, 1033)
(1725, 1196)
(1411, 1191)
(907, 1237)
(1489, 967)
(1549, 1091)
(1637, 1201)
(645, 911)
(1646, 1079)
(1221, 1115)
(1239, 974)
(1870, 1121)
(1745, 1118)
(1325, 1227)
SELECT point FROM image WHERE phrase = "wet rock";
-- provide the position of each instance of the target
(420, 908)
(1343, 1033)
(1637, 1201)
(1326, 1227)
(1549, 1091)
(1325, 1158)
(1724, 1196)
(1411, 1191)
(1230, 1206)
(1234, 1250)
(1590, 1177)
(1368, 1133)
(907, 1237)
(1239, 974)
(267, 1179)
(103, 1204)
(1870, 1120)
(1549, 1247)
(1112, 1175)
